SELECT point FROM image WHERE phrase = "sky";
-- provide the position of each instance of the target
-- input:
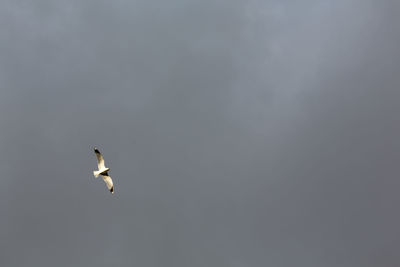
(238, 133)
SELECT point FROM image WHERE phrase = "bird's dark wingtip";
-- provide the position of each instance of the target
(96, 150)
(112, 190)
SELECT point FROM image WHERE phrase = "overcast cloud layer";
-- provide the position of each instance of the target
(238, 133)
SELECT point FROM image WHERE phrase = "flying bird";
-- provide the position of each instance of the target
(103, 171)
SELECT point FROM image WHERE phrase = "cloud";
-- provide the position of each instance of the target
(238, 133)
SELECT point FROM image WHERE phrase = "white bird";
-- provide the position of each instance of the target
(103, 171)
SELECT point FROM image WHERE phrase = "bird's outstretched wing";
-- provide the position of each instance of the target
(100, 159)
(109, 183)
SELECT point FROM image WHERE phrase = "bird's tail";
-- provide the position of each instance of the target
(96, 173)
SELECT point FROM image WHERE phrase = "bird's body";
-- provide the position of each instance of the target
(103, 171)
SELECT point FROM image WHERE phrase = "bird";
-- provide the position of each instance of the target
(103, 171)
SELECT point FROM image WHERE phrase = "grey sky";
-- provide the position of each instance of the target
(238, 133)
